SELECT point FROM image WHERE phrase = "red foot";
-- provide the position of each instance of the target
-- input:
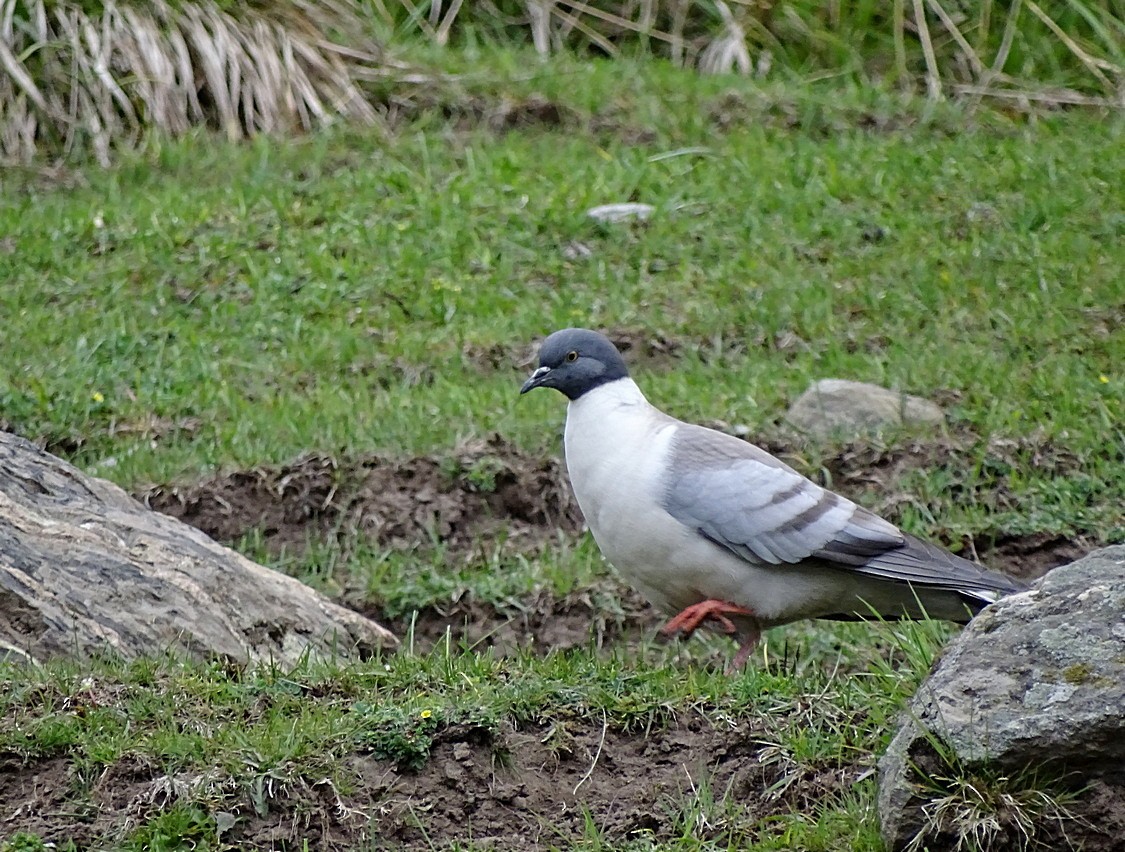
(689, 619)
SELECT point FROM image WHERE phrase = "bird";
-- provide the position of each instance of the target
(713, 529)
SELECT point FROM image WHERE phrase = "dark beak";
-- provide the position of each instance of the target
(535, 379)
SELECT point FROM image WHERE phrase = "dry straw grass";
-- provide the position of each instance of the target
(960, 47)
(71, 76)
(1020, 813)
(96, 73)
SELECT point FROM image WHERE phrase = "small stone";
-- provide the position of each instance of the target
(577, 250)
(624, 212)
(840, 407)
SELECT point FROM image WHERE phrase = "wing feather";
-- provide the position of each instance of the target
(760, 509)
(747, 501)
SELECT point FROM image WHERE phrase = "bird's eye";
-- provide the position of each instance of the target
(571, 355)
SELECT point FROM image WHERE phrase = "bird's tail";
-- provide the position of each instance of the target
(925, 566)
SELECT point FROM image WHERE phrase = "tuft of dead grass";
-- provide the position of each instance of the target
(99, 74)
(970, 813)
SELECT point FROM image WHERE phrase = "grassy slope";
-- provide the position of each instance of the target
(277, 297)
(278, 293)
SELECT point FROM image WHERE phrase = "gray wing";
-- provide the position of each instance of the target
(759, 508)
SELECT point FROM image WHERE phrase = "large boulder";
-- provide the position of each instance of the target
(1030, 698)
(838, 406)
(86, 569)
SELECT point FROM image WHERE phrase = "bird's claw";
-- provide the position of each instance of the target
(689, 619)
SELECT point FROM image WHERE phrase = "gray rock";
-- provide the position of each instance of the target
(626, 211)
(1036, 681)
(837, 406)
(85, 568)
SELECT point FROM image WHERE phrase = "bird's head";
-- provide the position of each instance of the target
(574, 361)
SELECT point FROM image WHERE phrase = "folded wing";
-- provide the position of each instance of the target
(759, 508)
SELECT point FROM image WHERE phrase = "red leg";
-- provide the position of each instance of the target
(744, 651)
(690, 618)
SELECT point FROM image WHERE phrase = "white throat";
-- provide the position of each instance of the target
(613, 436)
(620, 393)
(605, 424)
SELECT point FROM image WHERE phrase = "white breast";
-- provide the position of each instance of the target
(616, 445)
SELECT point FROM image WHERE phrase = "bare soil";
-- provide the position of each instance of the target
(526, 789)
(604, 615)
(492, 491)
(533, 788)
(652, 350)
(530, 788)
(464, 111)
(879, 477)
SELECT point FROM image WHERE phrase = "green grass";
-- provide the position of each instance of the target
(202, 306)
(402, 581)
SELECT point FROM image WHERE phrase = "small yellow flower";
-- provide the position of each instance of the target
(96, 396)
(1104, 379)
(425, 714)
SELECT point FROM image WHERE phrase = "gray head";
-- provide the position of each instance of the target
(574, 361)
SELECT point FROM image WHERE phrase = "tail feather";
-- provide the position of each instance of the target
(925, 565)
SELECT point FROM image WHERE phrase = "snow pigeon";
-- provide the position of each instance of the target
(708, 526)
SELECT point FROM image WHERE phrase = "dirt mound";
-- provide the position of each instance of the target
(485, 489)
(1031, 556)
(879, 477)
(865, 465)
(466, 111)
(491, 489)
(536, 788)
